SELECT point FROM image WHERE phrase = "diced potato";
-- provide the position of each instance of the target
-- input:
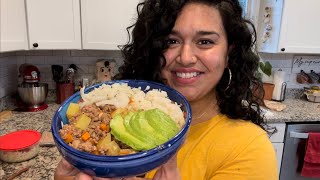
(113, 148)
(83, 122)
(104, 141)
(72, 110)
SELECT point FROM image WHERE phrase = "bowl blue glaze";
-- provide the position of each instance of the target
(121, 166)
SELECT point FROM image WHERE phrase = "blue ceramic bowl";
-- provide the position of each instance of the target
(121, 166)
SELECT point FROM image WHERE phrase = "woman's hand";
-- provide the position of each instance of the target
(66, 171)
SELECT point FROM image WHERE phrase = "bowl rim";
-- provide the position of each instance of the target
(139, 155)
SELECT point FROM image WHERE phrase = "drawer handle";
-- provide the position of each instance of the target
(299, 135)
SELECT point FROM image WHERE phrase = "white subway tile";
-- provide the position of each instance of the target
(97, 53)
(42, 53)
(88, 60)
(83, 68)
(289, 56)
(78, 53)
(91, 69)
(35, 60)
(113, 54)
(281, 63)
(70, 60)
(265, 56)
(20, 60)
(53, 60)
(278, 57)
(4, 61)
(2, 92)
(7, 54)
(21, 53)
(61, 53)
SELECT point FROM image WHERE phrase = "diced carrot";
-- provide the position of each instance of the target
(68, 138)
(96, 152)
(125, 151)
(131, 100)
(85, 136)
(104, 127)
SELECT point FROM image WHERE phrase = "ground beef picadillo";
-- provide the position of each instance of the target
(88, 140)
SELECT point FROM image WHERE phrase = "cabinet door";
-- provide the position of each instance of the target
(299, 27)
(278, 147)
(13, 28)
(104, 22)
(278, 136)
(54, 24)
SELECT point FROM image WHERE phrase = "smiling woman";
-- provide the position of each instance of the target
(203, 49)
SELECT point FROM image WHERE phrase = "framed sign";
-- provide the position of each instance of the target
(306, 63)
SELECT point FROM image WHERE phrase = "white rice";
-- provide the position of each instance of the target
(124, 96)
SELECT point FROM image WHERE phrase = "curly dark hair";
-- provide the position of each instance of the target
(143, 55)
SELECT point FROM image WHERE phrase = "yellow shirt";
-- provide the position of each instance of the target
(226, 149)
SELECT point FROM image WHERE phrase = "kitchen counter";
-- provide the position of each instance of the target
(43, 165)
(297, 110)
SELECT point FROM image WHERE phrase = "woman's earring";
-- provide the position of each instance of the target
(230, 77)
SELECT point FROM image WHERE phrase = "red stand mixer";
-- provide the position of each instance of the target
(32, 93)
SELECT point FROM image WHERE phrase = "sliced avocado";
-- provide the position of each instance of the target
(119, 131)
(162, 122)
(139, 121)
(133, 127)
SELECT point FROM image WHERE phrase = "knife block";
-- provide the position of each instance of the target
(64, 91)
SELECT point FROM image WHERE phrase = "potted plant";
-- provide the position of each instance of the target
(264, 74)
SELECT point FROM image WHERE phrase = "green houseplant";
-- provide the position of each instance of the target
(264, 68)
(264, 74)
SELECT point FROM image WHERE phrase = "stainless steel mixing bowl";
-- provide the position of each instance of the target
(33, 95)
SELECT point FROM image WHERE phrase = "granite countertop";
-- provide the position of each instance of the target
(43, 165)
(297, 110)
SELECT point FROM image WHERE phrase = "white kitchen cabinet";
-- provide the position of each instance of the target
(54, 24)
(13, 28)
(277, 140)
(294, 27)
(104, 22)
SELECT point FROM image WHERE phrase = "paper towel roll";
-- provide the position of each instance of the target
(279, 77)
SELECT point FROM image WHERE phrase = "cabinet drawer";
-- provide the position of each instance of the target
(278, 147)
(279, 135)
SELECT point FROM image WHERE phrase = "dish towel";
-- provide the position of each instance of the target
(311, 164)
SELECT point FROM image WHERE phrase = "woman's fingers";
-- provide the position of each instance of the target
(83, 176)
(168, 171)
(65, 169)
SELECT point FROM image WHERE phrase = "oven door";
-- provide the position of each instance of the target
(294, 150)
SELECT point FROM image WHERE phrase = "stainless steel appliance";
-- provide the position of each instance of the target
(32, 93)
(294, 150)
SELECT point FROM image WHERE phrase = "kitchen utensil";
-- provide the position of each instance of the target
(57, 73)
(33, 96)
(314, 76)
(18, 173)
(19, 146)
(303, 78)
(126, 165)
(63, 91)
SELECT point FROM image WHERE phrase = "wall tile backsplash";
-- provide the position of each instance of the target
(285, 63)
(85, 60)
(43, 59)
